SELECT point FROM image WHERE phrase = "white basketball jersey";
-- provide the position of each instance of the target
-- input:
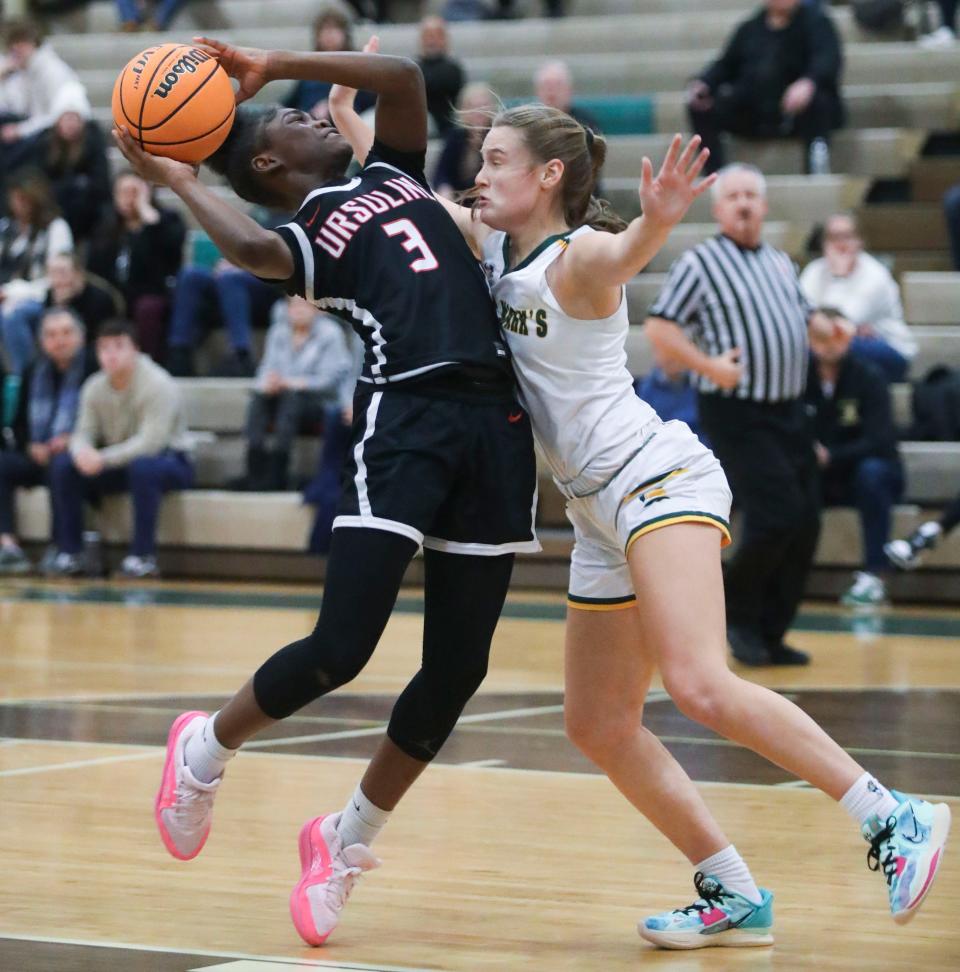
(573, 376)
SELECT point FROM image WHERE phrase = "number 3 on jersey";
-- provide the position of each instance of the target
(413, 242)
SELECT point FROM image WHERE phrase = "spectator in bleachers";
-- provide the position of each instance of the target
(946, 34)
(68, 286)
(778, 76)
(908, 553)
(49, 397)
(553, 86)
(147, 14)
(460, 159)
(241, 299)
(32, 233)
(138, 248)
(34, 85)
(305, 365)
(443, 75)
(864, 290)
(130, 437)
(331, 32)
(72, 154)
(848, 400)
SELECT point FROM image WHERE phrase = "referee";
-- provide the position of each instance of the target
(732, 312)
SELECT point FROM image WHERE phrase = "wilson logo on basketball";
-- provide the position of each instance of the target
(187, 64)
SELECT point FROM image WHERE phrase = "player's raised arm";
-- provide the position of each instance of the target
(343, 112)
(401, 114)
(604, 259)
(360, 136)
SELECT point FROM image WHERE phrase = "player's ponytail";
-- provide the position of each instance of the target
(552, 134)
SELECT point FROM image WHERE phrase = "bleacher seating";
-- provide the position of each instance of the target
(631, 60)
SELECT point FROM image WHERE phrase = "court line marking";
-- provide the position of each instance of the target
(654, 695)
(375, 730)
(363, 761)
(106, 707)
(706, 741)
(492, 730)
(264, 743)
(207, 953)
(77, 764)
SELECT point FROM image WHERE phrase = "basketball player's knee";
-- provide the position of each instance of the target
(601, 732)
(699, 698)
(332, 669)
(471, 678)
(454, 685)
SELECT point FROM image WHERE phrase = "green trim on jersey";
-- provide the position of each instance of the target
(549, 241)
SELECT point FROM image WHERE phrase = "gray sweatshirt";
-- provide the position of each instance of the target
(142, 420)
(323, 361)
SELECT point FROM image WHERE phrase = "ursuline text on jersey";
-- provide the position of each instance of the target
(339, 228)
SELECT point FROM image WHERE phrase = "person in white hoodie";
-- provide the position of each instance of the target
(35, 82)
(864, 290)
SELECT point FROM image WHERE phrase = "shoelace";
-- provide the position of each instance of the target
(191, 806)
(341, 883)
(883, 840)
(711, 894)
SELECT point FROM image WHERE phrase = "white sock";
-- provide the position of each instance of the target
(868, 797)
(204, 755)
(361, 820)
(730, 869)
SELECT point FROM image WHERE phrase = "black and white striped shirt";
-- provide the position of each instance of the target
(726, 296)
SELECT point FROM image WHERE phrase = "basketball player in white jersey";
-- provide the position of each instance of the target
(649, 505)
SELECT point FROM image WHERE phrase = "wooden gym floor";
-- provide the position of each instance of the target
(512, 853)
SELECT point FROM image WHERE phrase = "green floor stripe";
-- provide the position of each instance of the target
(931, 626)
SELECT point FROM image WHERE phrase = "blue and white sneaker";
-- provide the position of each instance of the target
(908, 848)
(717, 917)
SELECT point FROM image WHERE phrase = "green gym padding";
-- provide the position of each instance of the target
(615, 114)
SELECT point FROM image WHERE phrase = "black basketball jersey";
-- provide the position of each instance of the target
(380, 248)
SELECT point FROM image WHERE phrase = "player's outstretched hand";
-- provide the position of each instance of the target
(155, 169)
(666, 198)
(247, 64)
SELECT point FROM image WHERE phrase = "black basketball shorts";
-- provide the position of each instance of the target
(457, 475)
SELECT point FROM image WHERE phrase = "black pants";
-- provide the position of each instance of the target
(737, 110)
(289, 411)
(951, 516)
(16, 470)
(463, 597)
(767, 453)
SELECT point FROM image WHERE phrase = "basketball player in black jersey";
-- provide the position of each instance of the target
(442, 454)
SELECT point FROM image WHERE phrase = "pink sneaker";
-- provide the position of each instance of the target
(329, 872)
(184, 806)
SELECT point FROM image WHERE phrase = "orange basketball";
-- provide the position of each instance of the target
(175, 100)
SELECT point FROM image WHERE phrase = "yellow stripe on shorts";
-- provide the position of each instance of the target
(668, 519)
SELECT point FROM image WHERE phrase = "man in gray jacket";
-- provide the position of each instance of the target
(306, 368)
(130, 436)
